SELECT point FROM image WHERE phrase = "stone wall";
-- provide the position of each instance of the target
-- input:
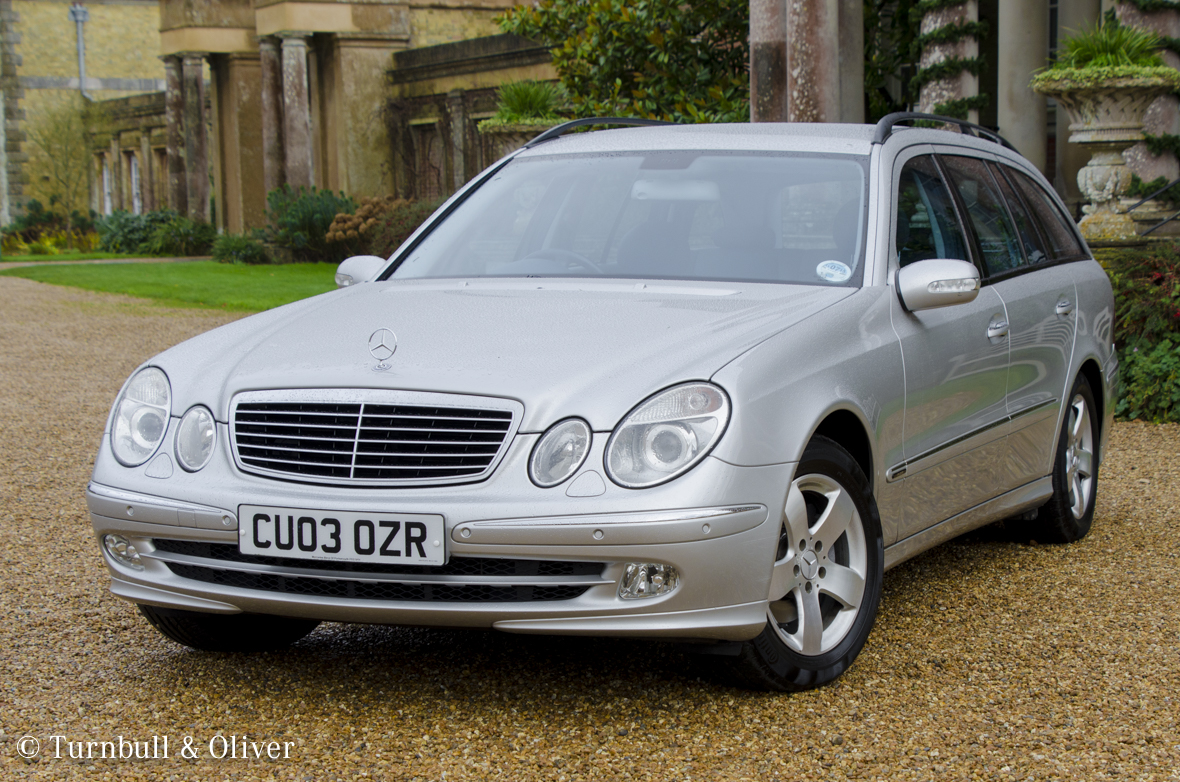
(439, 95)
(39, 73)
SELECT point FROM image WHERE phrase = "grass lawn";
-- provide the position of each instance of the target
(94, 255)
(194, 284)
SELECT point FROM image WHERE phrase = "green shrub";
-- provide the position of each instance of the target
(1109, 45)
(299, 220)
(239, 249)
(1146, 287)
(396, 225)
(123, 232)
(1150, 380)
(181, 236)
(529, 100)
(41, 247)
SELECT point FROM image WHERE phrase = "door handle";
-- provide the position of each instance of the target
(1064, 307)
(997, 328)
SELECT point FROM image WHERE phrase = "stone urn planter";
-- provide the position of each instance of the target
(1106, 107)
(499, 139)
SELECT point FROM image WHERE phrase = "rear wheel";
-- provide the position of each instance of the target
(227, 632)
(1068, 514)
(826, 583)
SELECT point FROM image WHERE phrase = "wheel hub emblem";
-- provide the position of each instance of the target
(809, 565)
(382, 346)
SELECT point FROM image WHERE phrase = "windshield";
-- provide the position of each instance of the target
(664, 215)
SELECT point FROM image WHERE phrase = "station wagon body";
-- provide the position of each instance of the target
(702, 383)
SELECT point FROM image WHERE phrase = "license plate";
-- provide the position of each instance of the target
(344, 536)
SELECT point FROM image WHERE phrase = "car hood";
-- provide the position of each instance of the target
(561, 347)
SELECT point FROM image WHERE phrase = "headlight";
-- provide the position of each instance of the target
(560, 452)
(666, 435)
(141, 417)
(195, 438)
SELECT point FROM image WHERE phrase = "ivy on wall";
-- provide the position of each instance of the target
(952, 66)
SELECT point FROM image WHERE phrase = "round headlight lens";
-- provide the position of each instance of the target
(560, 452)
(666, 435)
(141, 417)
(195, 438)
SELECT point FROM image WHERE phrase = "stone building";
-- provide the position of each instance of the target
(40, 72)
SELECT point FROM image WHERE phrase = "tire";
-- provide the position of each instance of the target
(826, 577)
(1068, 514)
(227, 632)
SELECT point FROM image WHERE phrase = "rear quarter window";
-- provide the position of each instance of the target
(1059, 234)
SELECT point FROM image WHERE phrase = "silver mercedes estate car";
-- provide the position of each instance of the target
(698, 383)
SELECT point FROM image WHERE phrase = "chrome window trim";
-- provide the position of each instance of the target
(374, 396)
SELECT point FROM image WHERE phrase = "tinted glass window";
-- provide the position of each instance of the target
(1063, 243)
(669, 215)
(998, 239)
(1030, 239)
(926, 223)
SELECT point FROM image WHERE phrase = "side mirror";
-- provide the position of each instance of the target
(359, 268)
(938, 282)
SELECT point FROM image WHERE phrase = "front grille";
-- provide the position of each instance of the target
(458, 566)
(368, 590)
(370, 437)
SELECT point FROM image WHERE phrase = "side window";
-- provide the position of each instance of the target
(997, 237)
(1063, 242)
(926, 223)
(1034, 249)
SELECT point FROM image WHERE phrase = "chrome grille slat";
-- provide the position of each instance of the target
(370, 438)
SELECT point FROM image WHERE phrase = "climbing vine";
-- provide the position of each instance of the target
(952, 66)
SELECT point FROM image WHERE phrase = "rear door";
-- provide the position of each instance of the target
(1039, 298)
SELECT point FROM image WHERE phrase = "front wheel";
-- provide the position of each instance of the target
(227, 632)
(826, 583)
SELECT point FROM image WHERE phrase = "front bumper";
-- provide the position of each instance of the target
(718, 526)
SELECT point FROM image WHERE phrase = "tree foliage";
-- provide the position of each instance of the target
(678, 60)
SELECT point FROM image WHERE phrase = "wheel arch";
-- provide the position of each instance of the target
(846, 428)
(1093, 374)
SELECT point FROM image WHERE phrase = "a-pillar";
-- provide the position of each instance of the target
(1023, 37)
(196, 137)
(297, 153)
(272, 113)
(174, 143)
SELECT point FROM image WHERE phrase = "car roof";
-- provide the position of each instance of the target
(748, 137)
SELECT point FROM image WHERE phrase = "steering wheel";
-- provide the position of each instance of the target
(569, 256)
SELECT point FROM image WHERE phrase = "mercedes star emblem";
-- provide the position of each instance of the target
(382, 345)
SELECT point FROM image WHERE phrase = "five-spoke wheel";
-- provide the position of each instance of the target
(826, 581)
(1068, 514)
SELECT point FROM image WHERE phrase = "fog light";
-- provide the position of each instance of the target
(647, 579)
(122, 551)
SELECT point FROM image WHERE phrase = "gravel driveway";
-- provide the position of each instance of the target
(990, 660)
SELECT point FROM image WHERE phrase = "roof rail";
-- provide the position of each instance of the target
(885, 127)
(565, 127)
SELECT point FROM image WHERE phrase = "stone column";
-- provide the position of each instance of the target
(147, 185)
(297, 156)
(115, 164)
(458, 114)
(196, 137)
(1071, 16)
(272, 113)
(935, 95)
(1023, 35)
(852, 61)
(768, 61)
(1163, 116)
(174, 118)
(813, 60)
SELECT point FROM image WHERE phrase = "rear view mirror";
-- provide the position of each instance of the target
(359, 268)
(938, 282)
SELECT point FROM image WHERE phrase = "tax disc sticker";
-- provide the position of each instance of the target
(833, 271)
